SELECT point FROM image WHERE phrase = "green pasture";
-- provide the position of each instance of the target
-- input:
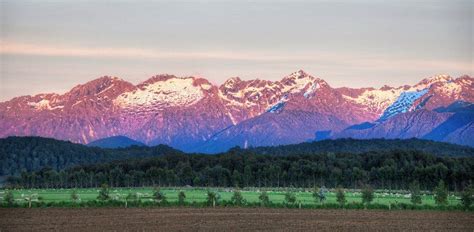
(200, 195)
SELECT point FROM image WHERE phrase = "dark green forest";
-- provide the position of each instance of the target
(366, 145)
(33, 162)
(19, 154)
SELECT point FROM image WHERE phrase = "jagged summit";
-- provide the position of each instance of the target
(299, 73)
(100, 86)
(427, 82)
(163, 77)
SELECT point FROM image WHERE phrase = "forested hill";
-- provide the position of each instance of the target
(19, 154)
(34, 153)
(361, 146)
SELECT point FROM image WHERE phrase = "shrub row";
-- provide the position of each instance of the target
(224, 203)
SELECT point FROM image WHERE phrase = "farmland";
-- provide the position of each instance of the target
(230, 219)
(199, 195)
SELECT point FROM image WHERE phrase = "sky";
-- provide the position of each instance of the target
(51, 46)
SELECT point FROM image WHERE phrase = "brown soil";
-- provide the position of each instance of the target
(230, 219)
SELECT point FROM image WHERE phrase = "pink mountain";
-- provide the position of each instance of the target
(194, 115)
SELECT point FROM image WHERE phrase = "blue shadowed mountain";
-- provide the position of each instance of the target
(457, 106)
(115, 142)
(362, 126)
(462, 119)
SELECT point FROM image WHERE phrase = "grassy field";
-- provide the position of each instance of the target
(200, 195)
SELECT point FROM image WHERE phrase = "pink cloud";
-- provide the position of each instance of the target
(378, 62)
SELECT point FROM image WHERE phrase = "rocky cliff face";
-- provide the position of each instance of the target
(194, 115)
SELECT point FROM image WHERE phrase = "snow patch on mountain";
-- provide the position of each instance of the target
(427, 82)
(206, 86)
(403, 103)
(106, 89)
(261, 96)
(163, 93)
(43, 105)
(246, 93)
(451, 89)
(277, 107)
(378, 100)
(232, 119)
(296, 82)
(310, 92)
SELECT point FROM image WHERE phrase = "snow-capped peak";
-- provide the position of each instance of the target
(427, 82)
(300, 81)
(231, 82)
(379, 100)
(164, 91)
(299, 74)
(249, 93)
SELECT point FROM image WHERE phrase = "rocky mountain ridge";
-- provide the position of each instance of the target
(192, 114)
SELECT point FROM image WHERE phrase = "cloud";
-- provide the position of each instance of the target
(335, 60)
(70, 51)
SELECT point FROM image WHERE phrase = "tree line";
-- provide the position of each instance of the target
(243, 168)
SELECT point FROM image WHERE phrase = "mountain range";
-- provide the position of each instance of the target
(194, 115)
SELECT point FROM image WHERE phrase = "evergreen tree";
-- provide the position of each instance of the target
(264, 199)
(467, 197)
(322, 194)
(237, 198)
(316, 194)
(340, 197)
(9, 198)
(441, 194)
(104, 193)
(212, 198)
(74, 196)
(181, 198)
(290, 198)
(367, 195)
(415, 193)
(159, 196)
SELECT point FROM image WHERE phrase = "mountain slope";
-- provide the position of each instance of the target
(409, 125)
(451, 124)
(457, 128)
(115, 142)
(270, 129)
(83, 114)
